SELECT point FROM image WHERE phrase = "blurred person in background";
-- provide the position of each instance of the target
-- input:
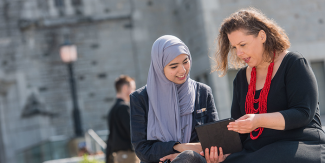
(275, 99)
(119, 147)
(164, 113)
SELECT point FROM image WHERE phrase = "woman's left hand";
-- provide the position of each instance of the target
(213, 156)
(245, 124)
(170, 157)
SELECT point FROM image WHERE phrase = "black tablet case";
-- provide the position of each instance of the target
(217, 134)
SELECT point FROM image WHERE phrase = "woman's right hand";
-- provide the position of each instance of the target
(213, 156)
(170, 157)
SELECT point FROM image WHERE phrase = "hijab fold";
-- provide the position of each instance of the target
(170, 105)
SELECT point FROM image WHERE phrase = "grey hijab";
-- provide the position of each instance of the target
(170, 105)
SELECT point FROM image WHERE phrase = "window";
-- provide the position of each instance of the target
(59, 3)
(76, 2)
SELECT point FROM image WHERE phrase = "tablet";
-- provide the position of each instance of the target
(217, 134)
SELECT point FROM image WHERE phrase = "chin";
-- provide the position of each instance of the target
(179, 82)
(251, 65)
(182, 82)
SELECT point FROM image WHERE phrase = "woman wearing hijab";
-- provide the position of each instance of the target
(166, 110)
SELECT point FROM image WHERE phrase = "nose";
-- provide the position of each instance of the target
(182, 70)
(239, 52)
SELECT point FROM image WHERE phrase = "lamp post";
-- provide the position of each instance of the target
(68, 54)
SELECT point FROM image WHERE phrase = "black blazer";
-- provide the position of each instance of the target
(150, 151)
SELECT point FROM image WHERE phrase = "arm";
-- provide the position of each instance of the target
(249, 122)
(124, 117)
(211, 107)
(271, 120)
(146, 150)
(301, 87)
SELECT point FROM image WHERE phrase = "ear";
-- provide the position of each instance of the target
(125, 88)
(262, 36)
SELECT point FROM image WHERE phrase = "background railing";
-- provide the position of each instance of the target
(56, 149)
(94, 143)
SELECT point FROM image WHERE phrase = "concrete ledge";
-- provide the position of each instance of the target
(100, 157)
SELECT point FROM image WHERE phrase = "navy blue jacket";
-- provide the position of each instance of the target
(150, 151)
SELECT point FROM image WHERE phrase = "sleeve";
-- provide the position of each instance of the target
(124, 117)
(211, 107)
(235, 108)
(146, 150)
(301, 89)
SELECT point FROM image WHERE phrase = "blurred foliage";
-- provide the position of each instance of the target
(90, 160)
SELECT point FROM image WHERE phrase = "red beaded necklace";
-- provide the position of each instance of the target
(262, 105)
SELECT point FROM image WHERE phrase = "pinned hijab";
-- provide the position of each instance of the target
(170, 105)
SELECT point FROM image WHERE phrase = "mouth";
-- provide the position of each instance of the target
(247, 59)
(181, 77)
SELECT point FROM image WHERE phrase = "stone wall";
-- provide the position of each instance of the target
(114, 37)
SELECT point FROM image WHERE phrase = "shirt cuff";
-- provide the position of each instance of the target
(174, 149)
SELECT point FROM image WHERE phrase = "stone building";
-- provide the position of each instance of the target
(114, 37)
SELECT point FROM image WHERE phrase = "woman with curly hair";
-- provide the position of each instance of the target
(275, 96)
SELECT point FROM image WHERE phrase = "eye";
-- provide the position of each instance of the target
(186, 62)
(233, 47)
(242, 44)
(173, 67)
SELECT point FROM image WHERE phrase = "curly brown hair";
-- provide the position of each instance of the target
(252, 21)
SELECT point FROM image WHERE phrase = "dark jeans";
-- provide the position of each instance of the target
(109, 158)
(189, 157)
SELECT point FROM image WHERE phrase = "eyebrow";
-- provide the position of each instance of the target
(177, 63)
(238, 43)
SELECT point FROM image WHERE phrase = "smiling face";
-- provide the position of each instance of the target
(249, 48)
(177, 70)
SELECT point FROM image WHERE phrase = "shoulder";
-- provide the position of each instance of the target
(203, 89)
(120, 106)
(202, 86)
(242, 71)
(241, 74)
(294, 59)
(139, 96)
(123, 105)
(291, 57)
(141, 92)
(139, 103)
